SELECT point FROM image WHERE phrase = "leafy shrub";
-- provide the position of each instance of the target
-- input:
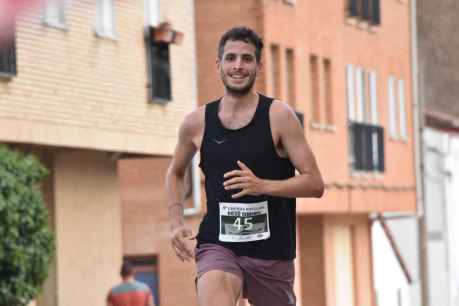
(26, 242)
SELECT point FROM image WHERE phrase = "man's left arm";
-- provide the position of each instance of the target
(308, 183)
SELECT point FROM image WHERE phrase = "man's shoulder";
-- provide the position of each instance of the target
(281, 110)
(128, 287)
(196, 115)
(141, 286)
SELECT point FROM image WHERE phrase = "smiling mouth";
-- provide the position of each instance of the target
(238, 77)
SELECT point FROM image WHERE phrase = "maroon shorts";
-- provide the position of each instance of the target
(265, 282)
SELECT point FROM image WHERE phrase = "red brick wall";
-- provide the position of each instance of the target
(312, 256)
(146, 226)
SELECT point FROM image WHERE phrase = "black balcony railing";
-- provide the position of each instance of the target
(368, 10)
(8, 57)
(367, 147)
(159, 70)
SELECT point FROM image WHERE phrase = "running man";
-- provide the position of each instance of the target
(250, 146)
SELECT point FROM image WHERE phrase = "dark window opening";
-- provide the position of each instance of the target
(8, 56)
(160, 80)
(367, 143)
(368, 10)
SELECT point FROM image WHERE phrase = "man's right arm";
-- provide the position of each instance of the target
(183, 154)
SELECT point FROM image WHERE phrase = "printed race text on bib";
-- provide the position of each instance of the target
(242, 222)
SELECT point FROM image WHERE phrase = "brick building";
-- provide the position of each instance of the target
(345, 65)
(83, 84)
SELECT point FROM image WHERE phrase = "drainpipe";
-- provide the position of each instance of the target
(418, 121)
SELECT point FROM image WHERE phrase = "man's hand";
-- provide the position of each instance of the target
(183, 242)
(243, 179)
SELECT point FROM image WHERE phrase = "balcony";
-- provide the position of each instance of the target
(367, 144)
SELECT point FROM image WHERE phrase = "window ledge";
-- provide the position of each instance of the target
(322, 127)
(6, 76)
(289, 2)
(398, 139)
(373, 28)
(157, 100)
(362, 24)
(55, 24)
(106, 35)
(367, 174)
(351, 21)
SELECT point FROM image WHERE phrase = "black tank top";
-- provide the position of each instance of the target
(253, 145)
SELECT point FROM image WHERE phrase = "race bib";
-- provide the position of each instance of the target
(243, 222)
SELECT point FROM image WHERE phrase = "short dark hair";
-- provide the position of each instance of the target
(126, 269)
(243, 34)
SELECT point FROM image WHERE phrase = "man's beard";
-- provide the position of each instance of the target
(239, 92)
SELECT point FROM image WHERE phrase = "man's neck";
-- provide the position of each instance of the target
(233, 104)
(128, 279)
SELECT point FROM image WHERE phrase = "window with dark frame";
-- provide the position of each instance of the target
(367, 142)
(159, 72)
(315, 89)
(8, 56)
(328, 92)
(367, 10)
(276, 71)
(366, 136)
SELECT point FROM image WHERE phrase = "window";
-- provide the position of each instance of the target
(315, 96)
(361, 95)
(328, 92)
(160, 71)
(367, 10)
(276, 71)
(105, 18)
(397, 108)
(152, 12)
(392, 107)
(8, 57)
(350, 90)
(320, 70)
(401, 109)
(159, 56)
(366, 137)
(373, 97)
(146, 271)
(367, 143)
(291, 77)
(54, 13)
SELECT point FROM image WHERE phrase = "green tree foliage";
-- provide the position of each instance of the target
(26, 242)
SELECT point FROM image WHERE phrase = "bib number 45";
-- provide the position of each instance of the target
(245, 225)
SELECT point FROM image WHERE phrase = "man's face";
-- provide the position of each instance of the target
(238, 67)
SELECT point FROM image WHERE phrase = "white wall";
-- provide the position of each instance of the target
(391, 285)
(452, 213)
